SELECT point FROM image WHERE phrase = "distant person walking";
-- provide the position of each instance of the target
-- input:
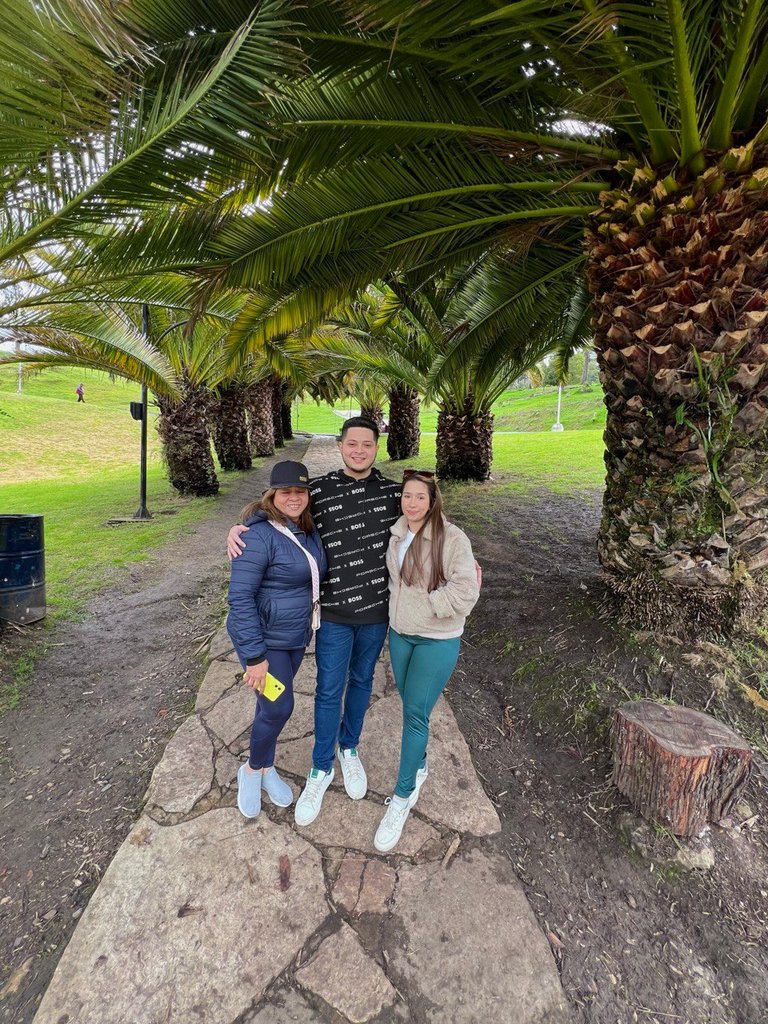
(80, 392)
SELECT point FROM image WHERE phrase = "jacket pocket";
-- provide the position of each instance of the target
(267, 614)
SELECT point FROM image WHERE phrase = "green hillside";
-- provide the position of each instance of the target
(527, 409)
(46, 434)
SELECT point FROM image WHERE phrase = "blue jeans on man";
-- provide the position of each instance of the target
(346, 657)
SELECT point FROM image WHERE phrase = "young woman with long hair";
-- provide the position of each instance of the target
(274, 604)
(433, 587)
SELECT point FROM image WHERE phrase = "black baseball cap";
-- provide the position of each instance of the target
(289, 474)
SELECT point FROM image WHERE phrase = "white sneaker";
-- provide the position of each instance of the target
(311, 800)
(355, 779)
(391, 825)
(421, 778)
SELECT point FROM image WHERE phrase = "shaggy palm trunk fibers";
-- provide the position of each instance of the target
(404, 432)
(261, 430)
(183, 429)
(230, 429)
(679, 275)
(464, 443)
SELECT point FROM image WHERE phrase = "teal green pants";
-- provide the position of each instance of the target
(421, 668)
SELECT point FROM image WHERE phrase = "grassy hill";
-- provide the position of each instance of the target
(524, 410)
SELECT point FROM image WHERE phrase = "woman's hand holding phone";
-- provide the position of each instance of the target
(255, 676)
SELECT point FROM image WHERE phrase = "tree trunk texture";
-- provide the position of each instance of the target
(183, 429)
(375, 413)
(585, 368)
(679, 276)
(680, 768)
(277, 412)
(404, 432)
(229, 429)
(464, 443)
(285, 412)
(261, 430)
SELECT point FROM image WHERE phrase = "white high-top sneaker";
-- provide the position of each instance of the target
(311, 800)
(391, 825)
(355, 779)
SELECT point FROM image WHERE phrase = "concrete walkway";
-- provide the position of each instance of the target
(204, 917)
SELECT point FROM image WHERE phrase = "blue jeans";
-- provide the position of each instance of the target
(346, 657)
(271, 715)
(421, 668)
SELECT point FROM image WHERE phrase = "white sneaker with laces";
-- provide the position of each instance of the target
(421, 778)
(391, 825)
(311, 800)
(355, 779)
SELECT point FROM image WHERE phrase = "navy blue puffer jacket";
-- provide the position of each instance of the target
(270, 590)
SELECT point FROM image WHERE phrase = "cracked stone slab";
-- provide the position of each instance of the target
(220, 677)
(221, 644)
(353, 824)
(301, 722)
(172, 893)
(286, 1007)
(465, 940)
(304, 680)
(346, 888)
(185, 773)
(227, 766)
(452, 795)
(233, 715)
(347, 979)
(379, 881)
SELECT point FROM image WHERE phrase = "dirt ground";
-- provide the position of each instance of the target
(636, 939)
(76, 757)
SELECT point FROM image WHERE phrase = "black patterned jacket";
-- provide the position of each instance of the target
(353, 518)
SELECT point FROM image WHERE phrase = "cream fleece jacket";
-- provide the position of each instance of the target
(441, 614)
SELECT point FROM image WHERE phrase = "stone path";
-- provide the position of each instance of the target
(205, 917)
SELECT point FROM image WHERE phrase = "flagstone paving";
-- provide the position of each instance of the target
(203, 916)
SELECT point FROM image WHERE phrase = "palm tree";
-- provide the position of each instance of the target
(180, 361)
(435, 134)
(229, 426)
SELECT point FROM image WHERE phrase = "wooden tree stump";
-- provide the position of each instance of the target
(679, 768)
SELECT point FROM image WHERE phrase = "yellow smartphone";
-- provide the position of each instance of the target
(273, 687)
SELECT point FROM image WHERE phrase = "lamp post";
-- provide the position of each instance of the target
(143, 512)
(557, 426)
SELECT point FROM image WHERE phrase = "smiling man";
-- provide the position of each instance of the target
(353, 509)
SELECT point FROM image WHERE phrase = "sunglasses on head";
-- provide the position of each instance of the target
(408, 473)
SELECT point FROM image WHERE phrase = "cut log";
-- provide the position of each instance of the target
(679, 768)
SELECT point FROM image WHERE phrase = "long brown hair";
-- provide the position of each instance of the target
(413, 563)
(266, 503)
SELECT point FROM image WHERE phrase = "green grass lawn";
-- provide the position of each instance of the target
(565, 463)
(526, 410)
(45, 434)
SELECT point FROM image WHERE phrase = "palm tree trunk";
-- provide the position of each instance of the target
(262, 436)
(681, 331)
(277, 412)
(464, 442)
(230, 429)
(285, 413)
(404, 435)
(374, 412)
(585, 368)
(183, 429)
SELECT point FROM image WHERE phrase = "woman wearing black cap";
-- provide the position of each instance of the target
(274, 604)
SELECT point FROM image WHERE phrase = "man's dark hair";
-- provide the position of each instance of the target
(359, 421)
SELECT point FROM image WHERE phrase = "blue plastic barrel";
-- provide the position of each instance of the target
(22, 569)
